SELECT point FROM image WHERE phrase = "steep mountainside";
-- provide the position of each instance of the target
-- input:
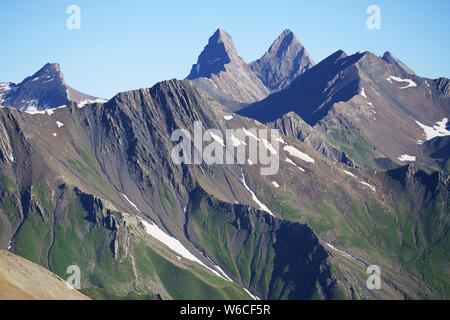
(368, 108)
(21, 279)
(285, 60)
(224, 75)
(44, 90)
(96, 187)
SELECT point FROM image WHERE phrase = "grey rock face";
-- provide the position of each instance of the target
(285, 60)
(292, 125)
(389, 58)
(224, 75)
(43, 90)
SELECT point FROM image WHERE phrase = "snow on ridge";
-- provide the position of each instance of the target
(82, 103)
(406, 157)
(409, 85)
(298, 154)
(437, 130)
(262, 206)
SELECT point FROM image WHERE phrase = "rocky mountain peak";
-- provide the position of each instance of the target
(389, 58)
(285, 60)
(224, 75)
(43, 90)
(219, 51)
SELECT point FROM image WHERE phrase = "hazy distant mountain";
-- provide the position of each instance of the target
(44, 90)
(224, 75)
(285, 60)
(363, 100)
(389, 58)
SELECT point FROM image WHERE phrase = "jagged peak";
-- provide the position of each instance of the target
(217, 53)
(391, 59)
(222, 37)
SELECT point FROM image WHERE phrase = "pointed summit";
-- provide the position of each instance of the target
(224, 75)
(285, 60)
(389, 58)
(219, 51)
(43, 90)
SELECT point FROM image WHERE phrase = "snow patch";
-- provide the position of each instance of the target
(298, 154)
(437, 130)
(280, 140)
(363, 93)
(228, 117)
(216, 138)
(54, 134)
(251, 295)
(369, 185)
(293, 163)
(59, 124)
(248, 133)
(175, 245)
(82, 103)
(236, 142)
(132, 204)
(349, 173)
(275, 184)
(340, 251)
(269, 146)
(255, 198)
(406, 157)
(409, 81)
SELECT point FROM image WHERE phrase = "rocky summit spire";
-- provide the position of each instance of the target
(224, 75)
(285, 60)
(389, 58)
(219, 51)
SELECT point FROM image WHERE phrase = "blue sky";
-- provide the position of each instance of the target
(125, 45)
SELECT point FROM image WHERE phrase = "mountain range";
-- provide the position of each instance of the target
(363, 180)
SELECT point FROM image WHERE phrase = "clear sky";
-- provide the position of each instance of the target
(125, 45)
